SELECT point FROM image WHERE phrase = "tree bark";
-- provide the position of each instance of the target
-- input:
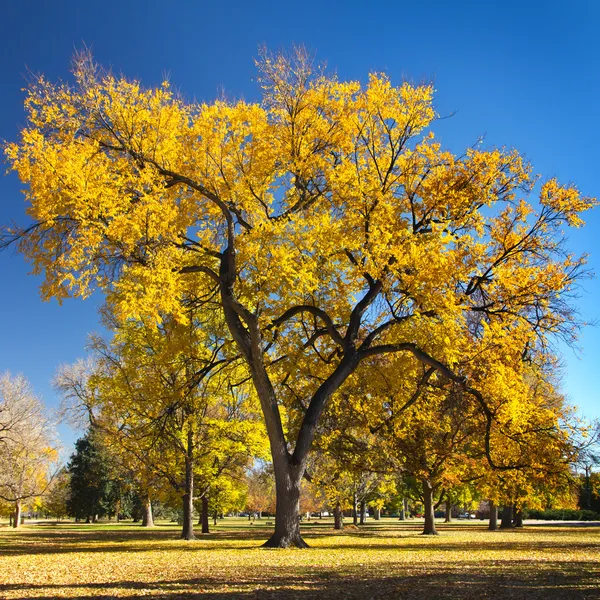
(338, 517)
(354, 510)
(448, 518)
(378, 514)
(215, 517)
(204, 516)
(518, 518)
(506, 522)
(187, 532)
(363, 510)
(493, 526)
(147, 517)
(17, 521)
(287, 510)
(403, 510)
(429, 527)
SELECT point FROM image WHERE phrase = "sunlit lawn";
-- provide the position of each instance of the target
(380, 560)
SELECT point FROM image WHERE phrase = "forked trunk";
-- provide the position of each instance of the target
(338, 517)
(287, 511)
(506, 522)
(204, 516)
(17, 521)
(147, 517)
(429, 527)
(493, 526)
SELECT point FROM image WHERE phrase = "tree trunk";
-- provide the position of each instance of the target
(215, 517)
(363, 510)
(448, 518)
(338, 517)
(17, 521)
(429, 527)
(403, 510)
(493, 526)
(506, 522)
(378, 514)
(245, 329)
(187, 532)
(204, 516)
(518, 520)
(147, 517)
(354, 510)
(287, 510)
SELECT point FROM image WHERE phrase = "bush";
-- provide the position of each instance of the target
(567, 514)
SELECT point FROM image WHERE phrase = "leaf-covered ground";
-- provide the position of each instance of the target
(386, 560)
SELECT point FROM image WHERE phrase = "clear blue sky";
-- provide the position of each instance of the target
(524, 74)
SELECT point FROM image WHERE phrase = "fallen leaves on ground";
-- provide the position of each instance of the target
(385, 560)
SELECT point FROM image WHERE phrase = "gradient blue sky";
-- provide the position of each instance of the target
(524, 74)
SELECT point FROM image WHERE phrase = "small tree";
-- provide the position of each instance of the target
(56, 500)
(91, 486)
(28, 447)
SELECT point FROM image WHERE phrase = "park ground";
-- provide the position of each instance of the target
(387, 559)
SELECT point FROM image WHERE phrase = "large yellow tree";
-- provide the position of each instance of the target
(326, 223)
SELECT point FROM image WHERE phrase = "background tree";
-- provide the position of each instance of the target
(28, 446)
(55, 501)
(92, 493)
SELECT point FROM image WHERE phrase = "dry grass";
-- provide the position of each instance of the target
(387, 560)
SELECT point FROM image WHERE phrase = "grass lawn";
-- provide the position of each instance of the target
(385, 560)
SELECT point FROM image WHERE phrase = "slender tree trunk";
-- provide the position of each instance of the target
(378, 514)
(448, 518)
(17, 521)
(287, 509)
(354, 510)
(338, 517)
(493, 526)
(187, 532)
(147, 517)
(363, 510)
(403, 510)
(215, 517)
(518, 519)
(506, 522)
(429, 527)
(204, 515)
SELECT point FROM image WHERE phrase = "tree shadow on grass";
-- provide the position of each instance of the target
(513, 580)
(37, 542)
(64, 541)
